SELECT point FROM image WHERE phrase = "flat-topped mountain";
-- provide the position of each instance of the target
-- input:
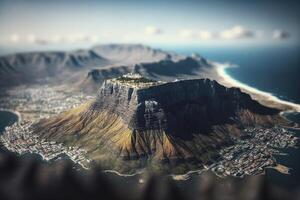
(134, 118)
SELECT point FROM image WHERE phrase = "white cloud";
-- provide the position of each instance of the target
(14, 38)
(184, 35)
(236, 32)
(280, 35)
(259, 34)
(73, 38)
(187, 33)
(93, 38)
(190, 34)
(77, 38)
(70, 39)
(205, 35)
(152, 30)
(56, 39)
(40, 41)
(31, 38)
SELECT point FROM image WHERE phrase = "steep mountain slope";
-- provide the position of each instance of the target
(136, 118)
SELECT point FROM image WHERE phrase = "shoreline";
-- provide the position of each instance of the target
(109, 171)
(13, 112)
(281, 169)
(265, 98)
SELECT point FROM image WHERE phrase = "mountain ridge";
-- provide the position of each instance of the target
(66, 66)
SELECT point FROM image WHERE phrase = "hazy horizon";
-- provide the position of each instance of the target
(42, 25)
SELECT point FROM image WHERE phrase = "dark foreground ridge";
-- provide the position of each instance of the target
(27, 179)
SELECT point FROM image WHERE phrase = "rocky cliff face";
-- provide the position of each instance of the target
(180, 108)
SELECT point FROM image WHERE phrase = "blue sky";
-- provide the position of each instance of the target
(86, 22)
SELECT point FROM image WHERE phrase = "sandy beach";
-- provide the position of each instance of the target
(265, 98)
(282, 169)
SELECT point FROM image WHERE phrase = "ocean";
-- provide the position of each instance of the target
(7, 119)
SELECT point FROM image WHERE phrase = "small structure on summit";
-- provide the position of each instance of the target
(136, 80)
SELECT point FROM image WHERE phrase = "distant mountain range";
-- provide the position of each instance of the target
(69, 67)
(170, 122)
(86, 70)
(29, 67)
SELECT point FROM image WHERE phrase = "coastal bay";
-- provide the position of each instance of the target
(7, 118)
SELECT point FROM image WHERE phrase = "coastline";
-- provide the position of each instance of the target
(121, 174)
(281, 169)
(13, 112)
(265, 98)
